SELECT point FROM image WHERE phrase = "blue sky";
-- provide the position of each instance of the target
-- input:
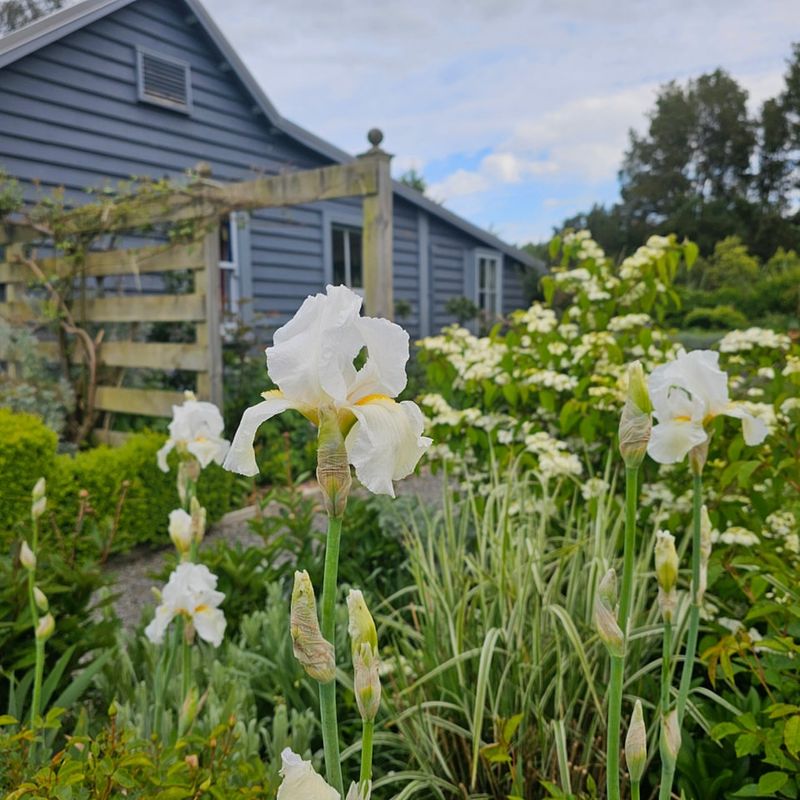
(515, 111)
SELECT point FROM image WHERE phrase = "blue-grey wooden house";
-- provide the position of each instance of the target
(109, 89)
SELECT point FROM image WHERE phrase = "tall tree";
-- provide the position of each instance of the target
(17, 13)
(655, 176)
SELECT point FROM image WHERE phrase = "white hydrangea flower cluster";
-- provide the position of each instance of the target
(588, 247)
(445, 414)
(595, 343)
(792, 366)
(629, 322)
(538, 319)
(789, 405)
(631, 267)
(593, 488)
(595, 287)
(736, 535)
(781, 523)
(549, 379)
(746, 340)
(554, 457)
(569, 331)
(474, 359)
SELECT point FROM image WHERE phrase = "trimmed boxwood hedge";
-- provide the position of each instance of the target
(28, 450)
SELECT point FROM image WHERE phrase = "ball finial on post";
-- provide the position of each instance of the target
(375, 137)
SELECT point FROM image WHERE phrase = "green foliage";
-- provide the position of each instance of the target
(495, 666)
(414, 180)
(10, 190)
(117, 495)
(462, 308)
(79, 599)
(716, 318)
(107, 472)
(116, 763)
(545, 395)
(27, 453)
(34, 388)
(729, 265)
(706, 169)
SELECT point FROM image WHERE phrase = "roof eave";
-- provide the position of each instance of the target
(30, 38)
(54, 26)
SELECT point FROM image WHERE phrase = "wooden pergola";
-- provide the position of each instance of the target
(367, 176)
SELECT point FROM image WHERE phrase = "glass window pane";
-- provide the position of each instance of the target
(226, 278)
(356, 272)
(339, 266)
(225, 243)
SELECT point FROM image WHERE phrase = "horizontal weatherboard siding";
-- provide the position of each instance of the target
(72, 119)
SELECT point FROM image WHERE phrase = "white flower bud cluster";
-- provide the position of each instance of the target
(746, 340)
(629, 322)
(792, 366)
(537, 319)
(554, 457)
(549, 379)
(736, 535)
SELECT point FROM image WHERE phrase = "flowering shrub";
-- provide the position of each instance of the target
(547, 387)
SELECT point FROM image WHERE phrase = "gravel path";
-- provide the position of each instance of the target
(134, 572)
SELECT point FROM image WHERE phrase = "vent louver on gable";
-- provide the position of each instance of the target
(164, 81)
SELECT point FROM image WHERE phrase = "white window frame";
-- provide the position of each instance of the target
(340, 218)
(497, 257)
(233, 266)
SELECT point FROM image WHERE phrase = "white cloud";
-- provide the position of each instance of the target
(533, 92)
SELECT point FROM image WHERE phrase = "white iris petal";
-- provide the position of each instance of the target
(312, 356)
(386, 443)
(241, 457)
(190, 592)
(301, 782)
(198, 426)
(311, 362)
(686, 394)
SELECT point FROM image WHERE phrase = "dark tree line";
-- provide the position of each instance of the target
(15, 14)
(706, 169)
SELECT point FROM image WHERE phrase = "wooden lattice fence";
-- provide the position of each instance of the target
(367, 177)
(130, 310)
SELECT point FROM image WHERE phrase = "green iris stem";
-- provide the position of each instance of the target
(666, 654)
(618, 662)
(38, 674)
(366, 752)
(668, 770)
(667, 767)
(635, 794)
(327, 691)
(163, 673)
(694, 611)
(186, 662)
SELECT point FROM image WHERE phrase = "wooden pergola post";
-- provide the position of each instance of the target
(377, 234)
(209, 334)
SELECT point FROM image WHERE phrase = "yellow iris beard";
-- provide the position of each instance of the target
(373, 398)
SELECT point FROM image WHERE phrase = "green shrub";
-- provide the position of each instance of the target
(109, 475)
(83, 626)
(27, 452)
(717, 318)
(149, 494)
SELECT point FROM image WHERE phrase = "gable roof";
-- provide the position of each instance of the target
(53, 27)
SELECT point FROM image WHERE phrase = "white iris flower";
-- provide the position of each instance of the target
(301, 782)
(311, 362)
(197, 428)
(191, 593)
(687, 394)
